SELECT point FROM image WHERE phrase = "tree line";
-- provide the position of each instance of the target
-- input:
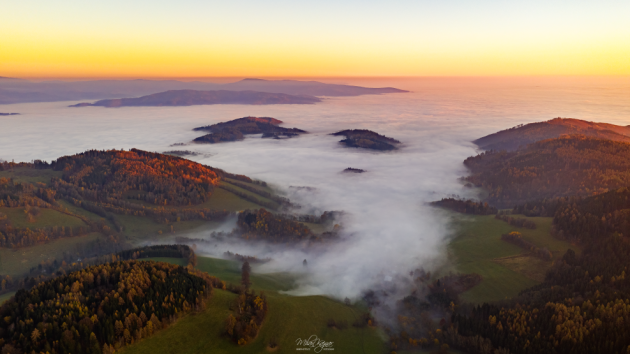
(518, 222)
(465, 206)
(516, 238)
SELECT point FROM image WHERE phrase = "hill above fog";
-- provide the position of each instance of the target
(574, 165)
(236, 129)
(18, 91)
(523, 135)
(193, 97)
(367, 139)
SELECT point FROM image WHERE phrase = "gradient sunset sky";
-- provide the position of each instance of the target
(197, 38)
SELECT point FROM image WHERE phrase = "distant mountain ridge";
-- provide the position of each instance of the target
(18, 90)
(523, 135)
(313, 88)
(194, 97)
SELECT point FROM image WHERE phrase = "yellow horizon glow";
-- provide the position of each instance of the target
(84, 61)
(95, 43)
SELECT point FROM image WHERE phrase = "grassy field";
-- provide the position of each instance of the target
(224, 200)
(16, 262)
(78, 210)
(506, 269)
(30, 175)
(138, 229)
(288, 319)
(253, 185)
(47, 218)
(258, 196)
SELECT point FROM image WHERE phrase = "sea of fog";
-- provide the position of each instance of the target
(388, 229)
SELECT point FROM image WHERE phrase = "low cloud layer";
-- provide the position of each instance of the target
(388, 229)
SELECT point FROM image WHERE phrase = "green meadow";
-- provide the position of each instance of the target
(46, 218)
(506, 268)
(289, 318)
(29, 175)
(16, 262)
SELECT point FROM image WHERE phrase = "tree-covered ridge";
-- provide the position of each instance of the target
(106, 183)
(523, 135)
(566, 166)
(263, 225)
(155, 178)
(101, 307)
(584, 219)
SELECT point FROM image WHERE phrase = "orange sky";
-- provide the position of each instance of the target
(193, 38)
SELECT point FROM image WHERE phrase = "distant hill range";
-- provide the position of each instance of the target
(193, 97)
(523, 135)
(18, 90)
(235, 130)
(313, 88)
(9, 114)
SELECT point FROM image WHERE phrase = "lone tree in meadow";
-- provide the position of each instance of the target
(245, 271)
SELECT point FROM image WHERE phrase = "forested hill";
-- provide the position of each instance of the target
(566, 166)
(584, 220)
(155, 178)
(236, 129)
(101, 308)
(582, 305)
(523, 135)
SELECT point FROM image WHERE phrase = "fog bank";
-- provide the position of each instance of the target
(388, 229)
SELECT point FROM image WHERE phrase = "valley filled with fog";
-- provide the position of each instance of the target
(388, 230)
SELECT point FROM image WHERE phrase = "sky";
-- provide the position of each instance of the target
(282, 38)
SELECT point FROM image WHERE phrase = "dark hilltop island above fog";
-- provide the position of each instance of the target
(523, 135)
(235, 130)
(367, 139)
(19, 90)
(193, 97)
(9, 114)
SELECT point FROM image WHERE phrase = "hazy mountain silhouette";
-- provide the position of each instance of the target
(193, 97)
(18, 90)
